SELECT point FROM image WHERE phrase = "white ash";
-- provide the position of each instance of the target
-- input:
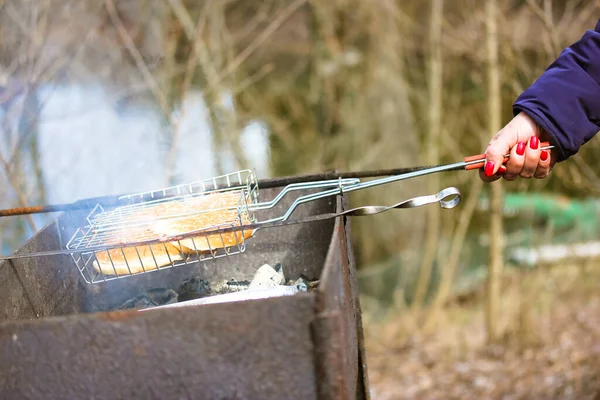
(268, 277)
(249, 294)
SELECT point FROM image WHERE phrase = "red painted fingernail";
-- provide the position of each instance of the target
(544, 155)
(501, 170)
(489, 168)
(521, 148)
(534, 143)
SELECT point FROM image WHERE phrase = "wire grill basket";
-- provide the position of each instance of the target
(122, 241)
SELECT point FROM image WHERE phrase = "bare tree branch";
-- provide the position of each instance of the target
(280, 19)
(190, 69)
(496, 262)
(182, 14)
(139, 61)
(434, 124)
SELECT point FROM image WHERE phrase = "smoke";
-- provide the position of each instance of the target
(89, 148)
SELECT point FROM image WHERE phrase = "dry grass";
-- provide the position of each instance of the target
(550, 348)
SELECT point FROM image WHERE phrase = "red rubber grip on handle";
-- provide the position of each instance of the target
(482, 158)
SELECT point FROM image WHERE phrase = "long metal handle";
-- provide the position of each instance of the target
(341, 189)
(469, 163)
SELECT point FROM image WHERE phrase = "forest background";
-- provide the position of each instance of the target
(106, 97)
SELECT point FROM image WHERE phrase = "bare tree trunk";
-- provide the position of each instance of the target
(496, 194)
(383, 116)
(432, 146)
(212, 53)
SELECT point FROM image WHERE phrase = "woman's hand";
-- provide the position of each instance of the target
(521, 138)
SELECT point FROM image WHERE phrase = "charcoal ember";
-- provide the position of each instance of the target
(304, 284)
(301, 284)
(162, 296)
(189, 296)
(197, 288)
(268, 277)
(193, 288)
(151, 298)
(313, 284)
(195, 285)
(139, 302)
(229, 286)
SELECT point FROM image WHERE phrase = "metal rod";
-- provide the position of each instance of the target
(87, 204)
(41, 209)
(329, 175)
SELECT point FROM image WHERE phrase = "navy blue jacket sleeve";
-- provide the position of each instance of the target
(565, 99)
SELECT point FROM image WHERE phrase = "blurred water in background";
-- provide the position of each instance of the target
(90, 145)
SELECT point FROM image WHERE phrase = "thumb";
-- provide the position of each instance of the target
(520, 128)
(498, 147)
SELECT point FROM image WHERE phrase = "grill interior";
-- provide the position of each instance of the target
(51, 286)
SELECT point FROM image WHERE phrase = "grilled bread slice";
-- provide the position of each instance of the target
(136, 259)
(206, 212)
(212, 211)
